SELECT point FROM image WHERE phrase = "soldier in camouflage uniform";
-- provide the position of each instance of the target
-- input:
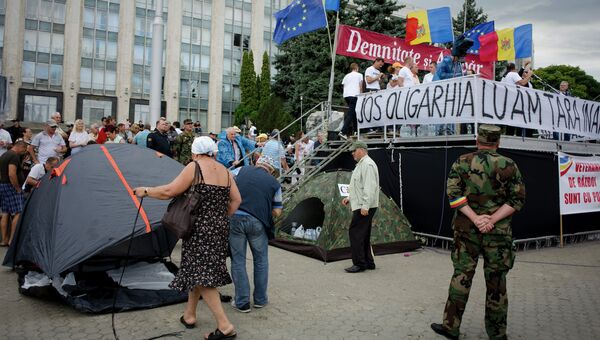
(485, 188)
(183, 143)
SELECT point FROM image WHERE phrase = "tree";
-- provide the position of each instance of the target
(265, 80)
(475, 16)
(272, 115)
(249, 97)
(581, 84)
(304, 62)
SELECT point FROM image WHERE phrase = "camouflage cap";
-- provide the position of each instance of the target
(358, 145)
(488, 134)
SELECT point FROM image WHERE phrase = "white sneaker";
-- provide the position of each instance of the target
(260, 306)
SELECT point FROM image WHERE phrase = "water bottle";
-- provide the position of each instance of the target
(299, 233)
(293, 231)
(469, 129)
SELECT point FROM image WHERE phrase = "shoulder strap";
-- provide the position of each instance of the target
(198, 174)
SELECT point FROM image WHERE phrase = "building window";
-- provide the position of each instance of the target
(92, 108)
(39, 108)
(43, 43)
(99, 47)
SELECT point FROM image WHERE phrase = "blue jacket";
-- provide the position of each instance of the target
(448, 69)
(226, 155)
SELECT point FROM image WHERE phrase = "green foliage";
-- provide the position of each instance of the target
(272, 115)
(248, 107)
(265, 80)
(581, 84)
(475, 16)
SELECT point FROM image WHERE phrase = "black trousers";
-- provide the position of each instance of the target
(360, 238)
(350, 117)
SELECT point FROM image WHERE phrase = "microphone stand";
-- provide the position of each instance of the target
(545, 84)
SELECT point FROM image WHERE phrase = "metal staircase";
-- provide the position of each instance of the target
(322, 156)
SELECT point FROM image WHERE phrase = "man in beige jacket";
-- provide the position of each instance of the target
(364, 200)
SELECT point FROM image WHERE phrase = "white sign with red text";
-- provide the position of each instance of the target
(579, 179)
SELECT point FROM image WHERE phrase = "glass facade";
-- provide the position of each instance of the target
(194, 66)
(2, 14)
(43, 44)
(238, 23)
(271, 7)
(98, 73)
(102, 21)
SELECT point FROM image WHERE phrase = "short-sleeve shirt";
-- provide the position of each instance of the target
(512, 78)
(46, 145)
(372, 72)
(274, 149)
(10, 157)
(5, 137)
(80, 138)
(351, 84)
(37, 171)
(407, 75)
(428, 78)
(140, 138)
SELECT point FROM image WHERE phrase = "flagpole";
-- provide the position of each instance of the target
(332, 73)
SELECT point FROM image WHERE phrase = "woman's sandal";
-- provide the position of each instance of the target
(218, 335)
(187, 325)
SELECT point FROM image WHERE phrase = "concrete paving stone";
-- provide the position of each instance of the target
(310, 300)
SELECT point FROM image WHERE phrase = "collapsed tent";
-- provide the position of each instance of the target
(315, 223)
(77, 225)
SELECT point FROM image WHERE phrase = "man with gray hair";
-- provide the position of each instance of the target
(58, 119)
(232, 149)
(48, 143)
(253, 224)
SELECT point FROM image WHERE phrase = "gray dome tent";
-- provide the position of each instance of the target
(80, 219)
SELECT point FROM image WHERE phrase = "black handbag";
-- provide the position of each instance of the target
(182, 210)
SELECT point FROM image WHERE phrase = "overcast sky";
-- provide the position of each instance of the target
(564, 31)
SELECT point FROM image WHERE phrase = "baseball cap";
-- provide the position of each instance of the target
(274, 133)
(396, 64)
(51, 123)
(237, 129)
(358, 145)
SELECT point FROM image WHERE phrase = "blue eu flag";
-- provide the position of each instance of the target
(300, 16)
(476, 32)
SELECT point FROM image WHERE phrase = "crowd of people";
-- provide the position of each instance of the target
(376, 78)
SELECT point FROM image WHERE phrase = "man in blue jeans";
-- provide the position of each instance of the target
(252, 224)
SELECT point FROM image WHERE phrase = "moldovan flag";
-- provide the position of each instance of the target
(429, 26)
(507, 44)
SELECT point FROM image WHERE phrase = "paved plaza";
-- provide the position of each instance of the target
(553, 294)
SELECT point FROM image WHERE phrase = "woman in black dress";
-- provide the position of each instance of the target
(204, 254)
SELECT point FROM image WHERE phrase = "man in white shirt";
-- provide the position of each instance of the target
(352, 83)
(5, 139)
(406, 75)
(373, 75)
(428, 78)
(38, 171)
(48, 142)
(512, 76)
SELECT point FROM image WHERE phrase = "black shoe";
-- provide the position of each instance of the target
(243, 309)
(187, 325)
(354, 269)
(439, 329)
(371, 266)
(225, 298)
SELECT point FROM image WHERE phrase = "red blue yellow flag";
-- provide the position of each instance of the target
(429, 26)
(507, 44)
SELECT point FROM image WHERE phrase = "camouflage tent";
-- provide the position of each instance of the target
(317, 206)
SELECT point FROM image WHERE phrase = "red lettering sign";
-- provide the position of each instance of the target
(363, 44)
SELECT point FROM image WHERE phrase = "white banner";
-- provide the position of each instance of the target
(579, 179)
(470, 99)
